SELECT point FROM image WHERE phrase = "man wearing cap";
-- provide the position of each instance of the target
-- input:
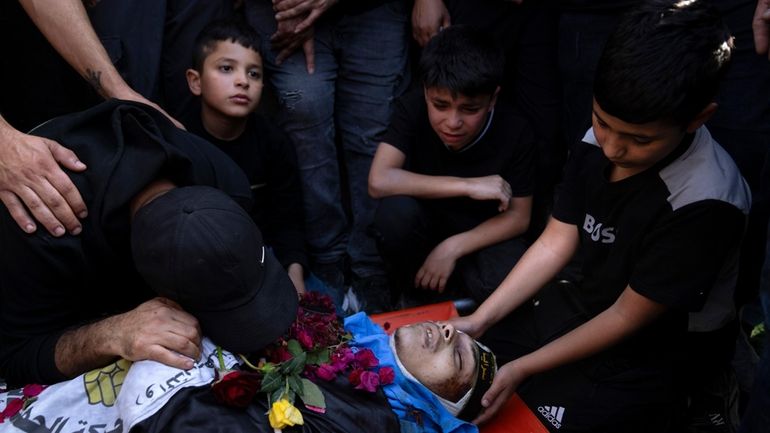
(165, 218)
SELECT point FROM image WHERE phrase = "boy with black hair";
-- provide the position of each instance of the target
(227, 75)
(454, 172)
(658, 209)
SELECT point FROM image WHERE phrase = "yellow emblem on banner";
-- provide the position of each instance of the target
(102, 385)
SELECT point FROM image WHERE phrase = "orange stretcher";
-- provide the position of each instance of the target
(514, 417)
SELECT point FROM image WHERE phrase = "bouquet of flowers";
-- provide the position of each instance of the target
(315, 347)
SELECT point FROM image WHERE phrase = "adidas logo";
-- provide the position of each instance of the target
(553, 414)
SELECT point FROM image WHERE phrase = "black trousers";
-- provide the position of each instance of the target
(407, 229)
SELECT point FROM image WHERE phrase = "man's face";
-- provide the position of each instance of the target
(633, 148)
(439, 357)
(457, 120)
(230, 83)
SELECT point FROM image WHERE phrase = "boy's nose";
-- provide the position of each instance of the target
(613, 147)
(242, 81)
(455, 120)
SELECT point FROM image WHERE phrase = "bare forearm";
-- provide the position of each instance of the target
(542, 261)
(504, 226)
(397, 181)
(630, 313)
(67, 27)
(83, 349)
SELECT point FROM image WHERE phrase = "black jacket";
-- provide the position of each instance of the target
(48, 284)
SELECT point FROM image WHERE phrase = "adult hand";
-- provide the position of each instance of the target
(428, 18)
(761, 27)
(159, 330)
(288, 41)
(297, 277)
(506, 380)
(30, 175)
(491, 188)
(438, 267)
(308, 11)
(129, 94)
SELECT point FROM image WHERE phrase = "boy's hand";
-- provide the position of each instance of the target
(30, 176)
(428, 18)
(506, 380)
(761, 27)
(438, 267)
(297, 277)
(491, 188)
(470, 325)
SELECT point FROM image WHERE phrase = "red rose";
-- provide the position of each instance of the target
(341, 358)
(369, 381)
(355, 377)
(387, 375)
(305, 339)
(366, 358)
(237, 388)
(326, 372)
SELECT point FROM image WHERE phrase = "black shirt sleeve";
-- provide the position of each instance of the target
(683, 255)
(520, 173)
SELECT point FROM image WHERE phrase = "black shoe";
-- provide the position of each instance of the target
(373, 294)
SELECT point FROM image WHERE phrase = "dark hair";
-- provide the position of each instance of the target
(233, 30)
(663, 62)
(462, 60)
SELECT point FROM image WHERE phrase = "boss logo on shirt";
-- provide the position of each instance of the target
(605, 235)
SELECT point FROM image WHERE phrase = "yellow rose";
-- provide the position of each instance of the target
(283, 414)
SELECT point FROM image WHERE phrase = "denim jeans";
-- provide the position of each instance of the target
(360, 66)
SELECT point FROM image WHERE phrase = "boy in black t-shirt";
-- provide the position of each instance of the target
(227, 75)
(454, 172)
(658, 210)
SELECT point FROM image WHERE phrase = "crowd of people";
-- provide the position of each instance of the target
(593, 175)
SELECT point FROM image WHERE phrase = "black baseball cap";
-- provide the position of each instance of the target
(198, 247)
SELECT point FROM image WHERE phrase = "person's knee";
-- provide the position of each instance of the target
(395, 222)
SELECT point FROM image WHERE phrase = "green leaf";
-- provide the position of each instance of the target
(273, 380)
(324, 356)
(312, 395)
(295, 384)
(294, 347)
(276, 395)
(294, 365)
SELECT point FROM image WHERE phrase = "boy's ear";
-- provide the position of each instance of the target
(702, 117)
(194, 81)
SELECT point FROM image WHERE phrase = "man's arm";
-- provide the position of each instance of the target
(66, 26)
(30, 176)
(428, 18)
(440, 263)
(158, 329)
(29, 172)
(387, 178)
(628, 314)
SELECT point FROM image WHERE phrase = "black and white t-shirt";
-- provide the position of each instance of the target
(505, 147)
(671, 232)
